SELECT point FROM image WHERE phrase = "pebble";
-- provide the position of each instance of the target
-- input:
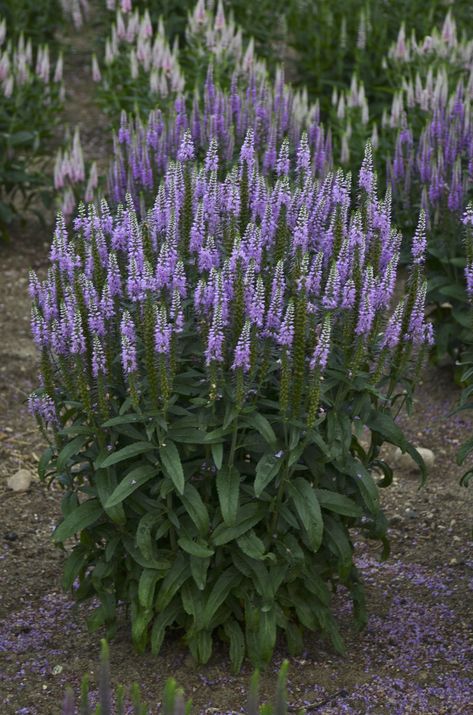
(405, 461)
(20, 481)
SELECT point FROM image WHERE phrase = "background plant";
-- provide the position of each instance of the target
(31, 95)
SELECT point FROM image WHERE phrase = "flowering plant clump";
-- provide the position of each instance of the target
(207, 373)
(31, 93)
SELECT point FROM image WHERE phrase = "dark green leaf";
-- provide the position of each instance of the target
(133, 480)
(195, 549)
(228, 489)
(196, 508)
(85, 515)
(308, 510)
(266, 469)
(262, 425)
(172, 466)
(128, 452)
(338, 503)
(71, 449)
(219, 593)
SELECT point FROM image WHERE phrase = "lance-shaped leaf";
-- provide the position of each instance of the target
(69, 450)
(228, 489)
(261, 424)
(338, 503)
(85, 515)
(128, 452)
(194, 548)
(172, 466)
(266, 469)
(308, 509)
(133, 480)
(248, 516)
(176, 576)
(219, 593)
(147, 585)
(196, 508)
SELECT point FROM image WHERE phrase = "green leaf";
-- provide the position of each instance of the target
(266, 469)
(363, 480)
(195, 549)
(147, 585)
(133, 480)
(143, 534)
(248, 516)
(147, 563)
(74, 564)
(237, 643)
(71, 449)
(217, 454)
(166, 618)
(228, 490)
(124, 420)
(85, 515)
(267, 635)
(128, 452)
(106, 482)
(262, 425)
(308, 509)
(338, 503)
(187, 436)
(339, 545)
(196, 508)
(252, 546)
(199, 568)
(176, 576)
(172, 466)
(219, 593)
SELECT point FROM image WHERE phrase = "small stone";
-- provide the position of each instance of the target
(410, 513)
(20, 481)
(10, 536)
(405, 461)
(396, 520)
(57, 669)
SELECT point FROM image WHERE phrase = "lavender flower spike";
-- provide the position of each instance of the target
(419, 242)
(320, 356)
(242, 350)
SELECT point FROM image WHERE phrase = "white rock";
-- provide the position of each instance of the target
(20, 481)
(405, 461)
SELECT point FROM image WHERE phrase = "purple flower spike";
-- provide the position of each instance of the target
(128, 342)
(242, 350)
(43, 407)
(320, 356)
(186, 150)
(162, 331)
(367, 177)
(286, 331)
(419, 241)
